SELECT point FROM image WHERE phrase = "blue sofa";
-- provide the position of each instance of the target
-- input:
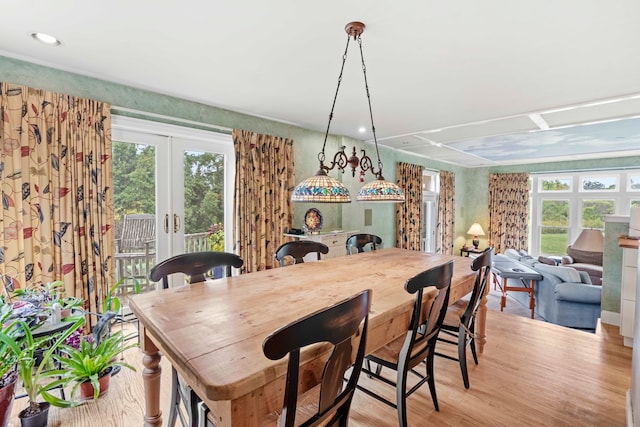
(565, 296)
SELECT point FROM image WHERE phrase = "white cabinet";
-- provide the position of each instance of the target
(335, 240)
(628, 294)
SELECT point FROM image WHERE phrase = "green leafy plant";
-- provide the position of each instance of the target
(8, 355)
(90, 362)
(18, 338)
(215, 235)
(111, 301)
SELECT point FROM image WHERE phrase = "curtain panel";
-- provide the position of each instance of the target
(445, 230)
(409, 213)
(262, 198)
(508, 211)
(57, 216)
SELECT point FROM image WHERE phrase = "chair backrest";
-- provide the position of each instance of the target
(137, 231)
(195, 265)
(426, 320)
(338, 325)
(359, 241)
(298, 249)
(482, 266)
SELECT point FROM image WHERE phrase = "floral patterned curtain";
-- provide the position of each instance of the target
(445, 230)
(409, 213)
(263, 186)
(57, 216)
(508, 211)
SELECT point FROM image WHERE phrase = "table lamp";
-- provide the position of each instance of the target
(476, 230)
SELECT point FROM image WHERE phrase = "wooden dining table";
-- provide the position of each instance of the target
(212, 332)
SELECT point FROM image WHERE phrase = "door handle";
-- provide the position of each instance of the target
(176, 223)
(166, 223)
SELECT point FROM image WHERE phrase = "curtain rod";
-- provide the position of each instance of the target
(220, 129)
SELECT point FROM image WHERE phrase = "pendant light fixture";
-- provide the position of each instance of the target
(321, 188)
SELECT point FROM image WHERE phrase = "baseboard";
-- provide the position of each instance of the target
(610, 317)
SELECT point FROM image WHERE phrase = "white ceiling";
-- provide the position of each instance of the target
(451, 80)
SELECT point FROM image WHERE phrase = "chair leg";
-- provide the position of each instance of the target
(175, 399)
(401, 397)
(472, 329)
(194, 412)
(462, 354)
(431, 380)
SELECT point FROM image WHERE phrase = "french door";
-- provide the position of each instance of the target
(181, 175)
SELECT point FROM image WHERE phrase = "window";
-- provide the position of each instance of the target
(563, 204)
(555, 184)
(598, 183)
(593, 212)
(554, 227)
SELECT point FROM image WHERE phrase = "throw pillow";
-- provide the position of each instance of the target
(545, 260)
(566, 274)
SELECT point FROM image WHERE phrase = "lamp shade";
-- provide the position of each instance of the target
(380, 190)
(476, 230)
(321, 188)
(589, 240)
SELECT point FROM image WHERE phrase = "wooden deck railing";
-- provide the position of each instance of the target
(135, 267)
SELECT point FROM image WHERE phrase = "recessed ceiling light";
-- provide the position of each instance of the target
(46, 39)
(362, 129)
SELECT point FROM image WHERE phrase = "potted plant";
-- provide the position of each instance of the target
(8, 362)
(89, 366)
(68, 304)
(38, 381)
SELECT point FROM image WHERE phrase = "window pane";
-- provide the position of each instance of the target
(554, 231)
(593, 212)
(550, 184)
(635, 203)
(634, 183)
(599, 183)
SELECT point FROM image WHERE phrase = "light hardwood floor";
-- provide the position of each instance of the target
(531, 373)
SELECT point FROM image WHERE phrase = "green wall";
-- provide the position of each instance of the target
(471, 184)
(612, 261)
(307, 143)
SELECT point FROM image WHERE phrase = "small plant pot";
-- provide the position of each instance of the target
(6, 402)
(86, 389)
(37, 419)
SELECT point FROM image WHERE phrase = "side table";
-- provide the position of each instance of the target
(467, 251)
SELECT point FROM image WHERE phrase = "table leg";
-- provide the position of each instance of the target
(503, 298)
(481, 321)
(151, 378)
(532, 301)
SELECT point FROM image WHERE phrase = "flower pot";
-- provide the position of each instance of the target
(86, 389)
(6, 402)
(38, 418)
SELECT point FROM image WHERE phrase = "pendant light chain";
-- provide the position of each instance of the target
(321, 156)
(366, 86)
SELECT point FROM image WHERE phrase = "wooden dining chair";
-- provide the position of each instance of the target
(195, 265)
(405, 353)
(359, 241)
(298, 249)
(459, 323)
(343, 325)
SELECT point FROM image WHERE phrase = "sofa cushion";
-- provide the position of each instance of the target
(566, 274)
(578, 292)
(512, 253)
